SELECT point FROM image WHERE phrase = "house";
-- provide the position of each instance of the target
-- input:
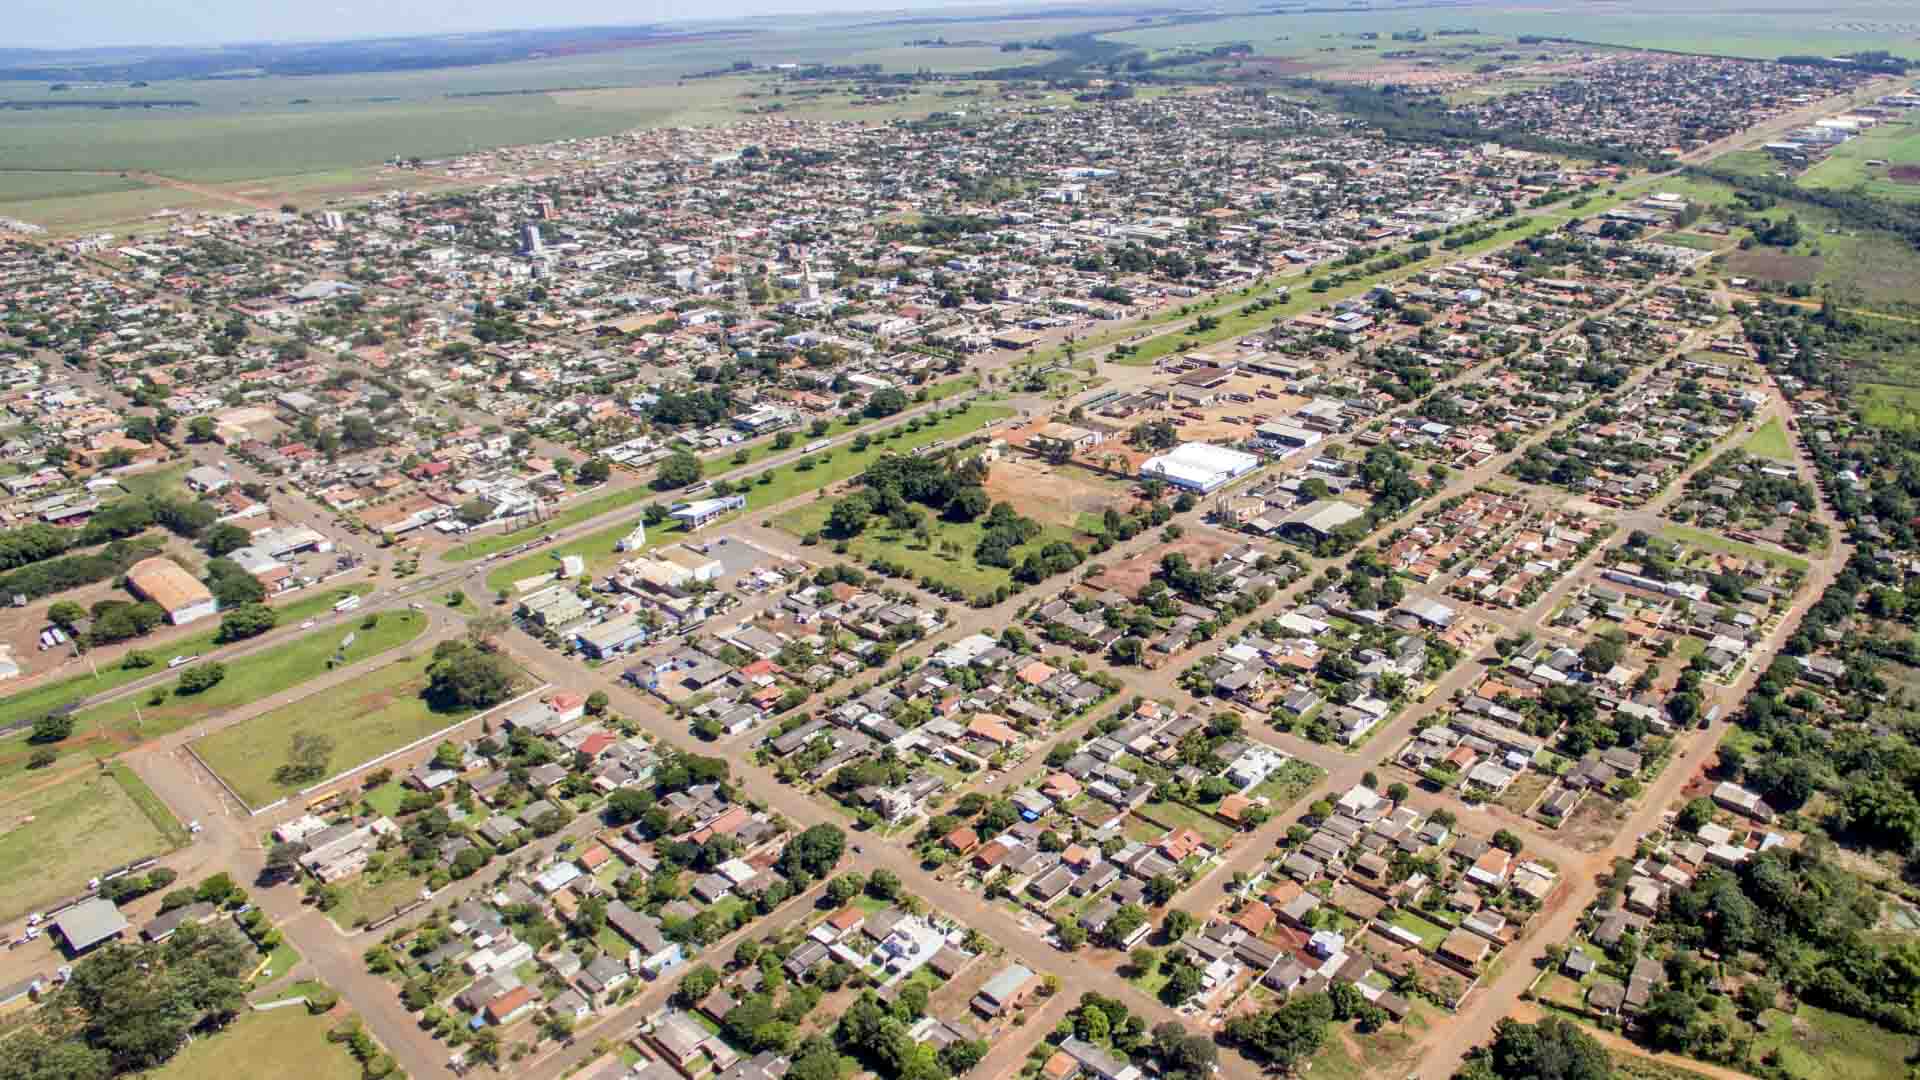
(1733, 797)
(511, 1006)
(1464, 950)
(679, 1038)
(1096, 1062)
(657, 954)
(602, 976)
(1006, 991)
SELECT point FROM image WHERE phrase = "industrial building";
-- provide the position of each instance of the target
(1200, 467)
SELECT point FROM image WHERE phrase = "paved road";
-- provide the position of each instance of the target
(232, 838)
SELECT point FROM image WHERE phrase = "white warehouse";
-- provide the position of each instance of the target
(1200, 467)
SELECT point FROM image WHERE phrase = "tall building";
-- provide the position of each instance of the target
(531, 240)
(333, 220)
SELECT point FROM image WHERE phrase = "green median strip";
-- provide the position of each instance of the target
(50, 697)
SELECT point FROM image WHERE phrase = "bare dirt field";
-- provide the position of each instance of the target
(1592, 825)
(1056, 494)
(1130, 576)
(1774, 267)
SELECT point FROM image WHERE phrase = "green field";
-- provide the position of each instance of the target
(881, 541)
(1815, 1044)
(1895, 408)
(381, 711)
(57, 695)
(280, 1042)
(1846, 168)
(1877, 267)
(59, 835)
(835, 464)
(1770, 442)
(1700, 538)
(252, 678)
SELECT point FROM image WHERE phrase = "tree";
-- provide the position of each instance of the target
(597, 703)
(308, 753)
(843, 889)
(1161, 889)
(1176, 925)
(224, 538)
(248, 620)
(51, 728)
(1696, 813)
(1552, 1049)
(627, 805)
(65, 614)
(883, 885)
(679, 470)
(42, 757)
(200, 429)
(283, 863)
(594, 470)
(201, 677)
(463, 676)
(814, 852)
(886, 402)
(697, 984)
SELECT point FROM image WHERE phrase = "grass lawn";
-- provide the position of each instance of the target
(361, 898)
(1770, 442)
(282, 1042)
(50, 696)
(1686, 648)
(149, 804)
(1181, 816)
(837, 463)
(253, 678)
(1894, 408)
(1700, 538)
(385, 799)
(572, 515)
(40, 860)
(169, 480)
(1524, 791)
(1286, 785)
(1815, 1044)
(279, 962)
(1431, 933)
(379, 712)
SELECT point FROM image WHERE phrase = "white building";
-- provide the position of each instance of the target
(1200, 467)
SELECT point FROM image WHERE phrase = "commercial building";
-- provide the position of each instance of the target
(1200, 467)
(89, 923)
(704, 511)
(162, 581)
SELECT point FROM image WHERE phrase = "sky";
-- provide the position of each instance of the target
(70, 24)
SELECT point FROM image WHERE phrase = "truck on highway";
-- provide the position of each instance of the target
(817, 444)
(347, 604)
